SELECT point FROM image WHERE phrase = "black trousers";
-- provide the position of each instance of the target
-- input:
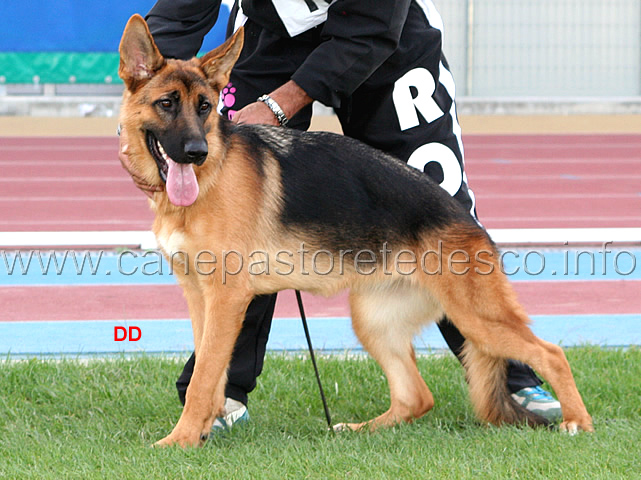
(406, 108)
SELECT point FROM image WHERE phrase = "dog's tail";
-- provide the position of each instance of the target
(490, 396)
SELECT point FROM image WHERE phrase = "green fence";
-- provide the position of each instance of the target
(62, 67)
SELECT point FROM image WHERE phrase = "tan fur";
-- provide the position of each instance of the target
(238, 210)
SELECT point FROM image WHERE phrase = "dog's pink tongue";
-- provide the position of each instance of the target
(182, 186)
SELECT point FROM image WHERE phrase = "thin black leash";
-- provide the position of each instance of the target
(311, 353)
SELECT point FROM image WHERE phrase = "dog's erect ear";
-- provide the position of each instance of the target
(139, 56)
(218, 63)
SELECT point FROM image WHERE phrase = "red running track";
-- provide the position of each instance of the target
(149, 302)
(520, 181)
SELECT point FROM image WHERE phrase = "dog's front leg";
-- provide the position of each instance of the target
(224, 314)
(195, 296)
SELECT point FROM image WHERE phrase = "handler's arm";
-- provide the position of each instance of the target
(358, 37)
(179, 26)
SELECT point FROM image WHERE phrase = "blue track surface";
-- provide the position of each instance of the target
(329, 334)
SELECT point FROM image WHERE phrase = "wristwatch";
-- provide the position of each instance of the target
(275, 108)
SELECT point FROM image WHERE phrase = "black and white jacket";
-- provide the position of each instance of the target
(357, 36)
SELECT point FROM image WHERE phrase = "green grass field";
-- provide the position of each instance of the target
(98, 418)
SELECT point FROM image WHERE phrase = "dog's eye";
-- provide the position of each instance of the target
(166, 103)
(205, 107)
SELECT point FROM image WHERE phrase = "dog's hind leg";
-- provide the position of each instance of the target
(385, 321)
(485, 310)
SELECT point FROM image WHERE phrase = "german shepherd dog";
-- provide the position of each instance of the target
(325, 213)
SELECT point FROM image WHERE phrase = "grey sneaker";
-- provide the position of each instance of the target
(539, 401)
(235, 413)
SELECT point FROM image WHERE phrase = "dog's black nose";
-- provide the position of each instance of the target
(196, 151)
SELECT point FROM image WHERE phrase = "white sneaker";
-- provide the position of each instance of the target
(539, 401)
(235, 412)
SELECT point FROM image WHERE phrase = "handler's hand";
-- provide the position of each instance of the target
(290, 97)
(256, 112)
(123, 150)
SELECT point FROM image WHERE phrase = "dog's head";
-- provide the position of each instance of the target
(169, 107)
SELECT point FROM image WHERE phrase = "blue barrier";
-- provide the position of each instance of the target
(71, 41)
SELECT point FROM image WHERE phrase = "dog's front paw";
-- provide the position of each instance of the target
(183, 441)
(165, 442)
